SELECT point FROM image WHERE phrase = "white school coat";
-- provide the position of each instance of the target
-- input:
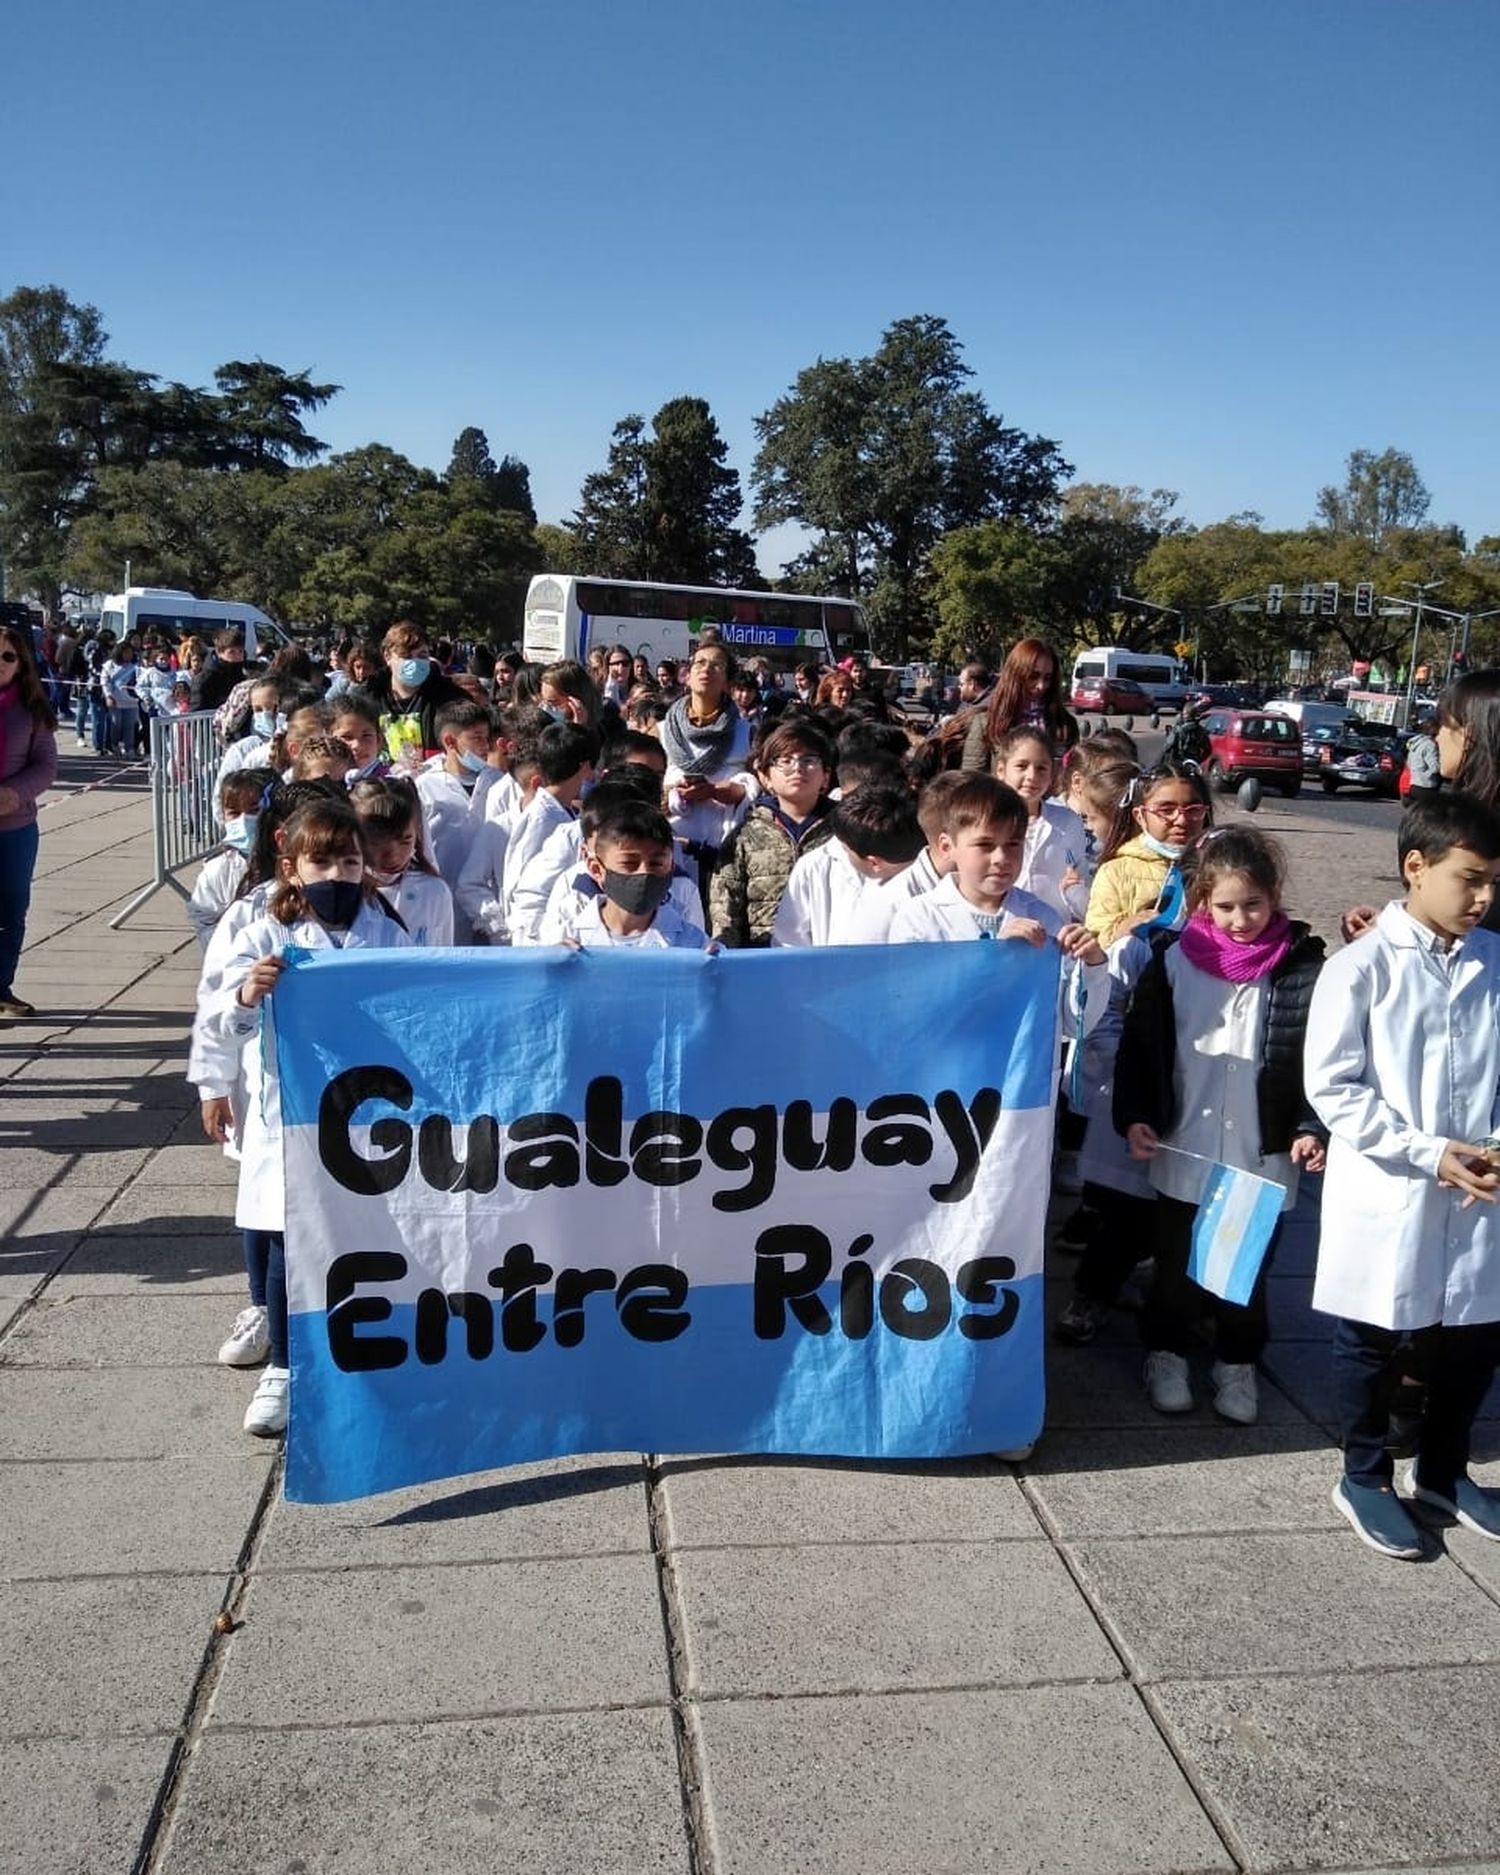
(425, 905)
(541, 817)
(575, 891)
(1104, 1158)
(870, 921)
(944, 915)
(503, 802)
(822, 899)
(477, 904)
(531, 893)
(668, 931)
(1402, 1055)
(452, 815)
(213, 892)
(260, 1203)
(1056, 842)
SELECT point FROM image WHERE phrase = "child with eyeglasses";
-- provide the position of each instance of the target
(1160, 815)
(794, 765)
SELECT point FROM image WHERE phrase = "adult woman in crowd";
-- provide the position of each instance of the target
(569, 694)
(1028, 691)
(28, 767)
(707, 745)
(835, 691)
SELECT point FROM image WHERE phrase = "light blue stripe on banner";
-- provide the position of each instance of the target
(1232, 1231)
(515, 1032)
(715, 1389)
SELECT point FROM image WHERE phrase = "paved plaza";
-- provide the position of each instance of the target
(1153, 1647)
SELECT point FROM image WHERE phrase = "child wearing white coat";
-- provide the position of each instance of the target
(390, 820)
(876, 836)
(1403, 1067)
(1054, 866)
(323, 900)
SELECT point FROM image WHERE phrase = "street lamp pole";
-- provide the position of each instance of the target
(1423, 587)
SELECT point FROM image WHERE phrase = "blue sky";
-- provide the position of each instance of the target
(1203, 246)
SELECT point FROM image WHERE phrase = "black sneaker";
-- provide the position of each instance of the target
(1078, 1231)
(1079, 1322)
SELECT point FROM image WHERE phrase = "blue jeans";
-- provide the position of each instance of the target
(1457, 1366)
(265, 1265)
(17, 863)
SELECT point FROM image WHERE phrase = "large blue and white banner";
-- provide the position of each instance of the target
(547, 1202)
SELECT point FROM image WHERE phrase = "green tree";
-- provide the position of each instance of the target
(1379, 494)
(666, 505)
(879, 457)
(558, 547)
(513, 489)
(259, 410)
(471, 460)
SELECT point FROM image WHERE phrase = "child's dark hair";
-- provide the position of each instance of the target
(635, 782)
(879, 822)
(983, 801)
(858, 772)
(243, 790)
(321, 749)
(1116, 745)
(355, 702)
(279, 802)
(629, 818)
(797, 736)
(562, 749)
(1139, 792)
(863, 739)
(1015, 738)
(1437, 824)
(389, 809)
(932, 802)
(1236, 851)
(463, 713)
(318, 830)
(314, 718)
(633, 746)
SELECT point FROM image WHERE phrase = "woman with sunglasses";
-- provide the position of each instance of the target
(28, 767)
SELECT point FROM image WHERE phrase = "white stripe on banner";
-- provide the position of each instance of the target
(701, 1246)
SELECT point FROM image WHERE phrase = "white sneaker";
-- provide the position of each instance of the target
(1167, 1382)
(1067, 1180)
(249, 1340)
(1236, 1395)
(266, 1414)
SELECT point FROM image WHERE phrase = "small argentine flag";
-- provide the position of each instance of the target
(1236, 1218)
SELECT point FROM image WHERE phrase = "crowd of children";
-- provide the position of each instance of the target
(1202, 1027)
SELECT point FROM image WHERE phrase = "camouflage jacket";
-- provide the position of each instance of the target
(751, 874)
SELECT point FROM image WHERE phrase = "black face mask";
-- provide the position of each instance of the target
(637, 892)
(334, 902)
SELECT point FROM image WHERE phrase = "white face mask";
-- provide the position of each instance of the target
(239, 832)
(1163, 849)
(470, 762)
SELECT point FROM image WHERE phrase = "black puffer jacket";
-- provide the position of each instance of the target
(1148, 1048)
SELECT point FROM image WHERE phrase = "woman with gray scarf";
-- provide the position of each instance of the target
(707, 743)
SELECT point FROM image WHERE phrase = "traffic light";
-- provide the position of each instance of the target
(1364, 599)
(1329, 603)
(1273, 600)
(1309, 599)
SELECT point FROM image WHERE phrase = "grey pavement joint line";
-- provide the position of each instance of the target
(1222, 1826)
(158, 1824)
(697, 1822)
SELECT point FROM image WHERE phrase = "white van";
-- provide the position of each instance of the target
(1309, 716)
(178, 615)
(1164, 678)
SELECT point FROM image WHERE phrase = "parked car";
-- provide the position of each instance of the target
(1112, 696)
(1363, 755)
(1254, 743)
(1318, 737)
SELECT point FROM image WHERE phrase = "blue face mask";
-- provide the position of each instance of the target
(413, 672)
(471, 763)
(555, 711)
(263, 722)
(239, 832)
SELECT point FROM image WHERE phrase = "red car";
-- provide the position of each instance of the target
(1258, 743)
(1113, 696)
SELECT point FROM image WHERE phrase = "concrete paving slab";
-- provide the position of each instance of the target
(563, 1794)
(68, 1211)
(119, 1265)
(424, 1643)
(1070, 1780)
(1102, 1386)
(139, 1412)
(720, 1502)
(34, 1168)
(882, 1617)
(78, 1806)
(172, 1210)
(569, 1507)
(1164, 1480)
(201, 1164)
(103, 1657)
(1264, 1603)
(160, 1330)
(185, 1515)
(24, 1262)
(1349, 1770)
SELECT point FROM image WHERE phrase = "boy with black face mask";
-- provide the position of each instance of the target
(631, 862)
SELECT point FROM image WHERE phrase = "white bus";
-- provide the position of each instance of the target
(566, 616)
(178, 615)
(1166, 679)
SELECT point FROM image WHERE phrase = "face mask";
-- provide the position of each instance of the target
(362, 774)
(263, 722)
(555, 711)
(334, 901)
(471, 763)
(413, 672)
(637, 892)
(385, 878)
(239, 832)
(1162, 848)
(163, 664)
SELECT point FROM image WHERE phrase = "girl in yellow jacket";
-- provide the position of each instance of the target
(1161, 815)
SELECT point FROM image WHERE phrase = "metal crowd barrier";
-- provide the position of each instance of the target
(185, 758)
